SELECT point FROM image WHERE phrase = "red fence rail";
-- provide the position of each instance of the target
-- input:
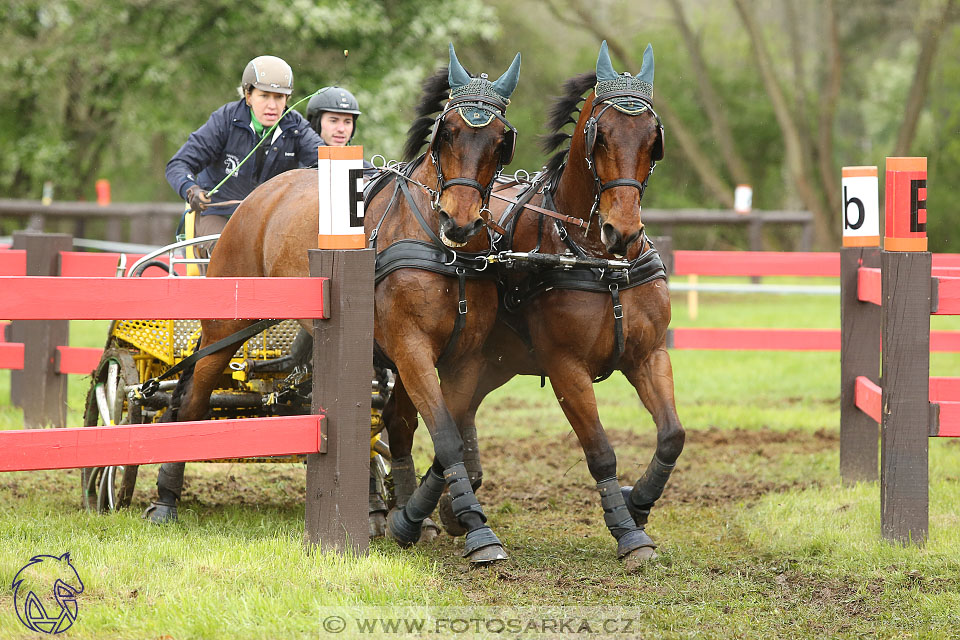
(336, 509)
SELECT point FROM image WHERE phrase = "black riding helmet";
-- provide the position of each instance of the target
(336, 99)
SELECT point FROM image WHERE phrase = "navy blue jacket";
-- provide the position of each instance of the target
(216, 148)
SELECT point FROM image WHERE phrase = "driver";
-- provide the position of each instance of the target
(215, 149)
(209, 155)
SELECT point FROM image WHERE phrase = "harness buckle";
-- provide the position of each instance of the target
(562, 231)
(452, 260)
(618, 311)
(462, 308)
(149, 387)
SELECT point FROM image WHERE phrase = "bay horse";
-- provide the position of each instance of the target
(620, 323)
(431, 313)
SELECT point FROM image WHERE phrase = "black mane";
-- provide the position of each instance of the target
(436, 90)
(561, 114)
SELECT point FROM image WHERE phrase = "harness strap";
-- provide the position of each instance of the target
(580, 222)
(618, 332)
(151, 386)
(461, 318)
(416, 212)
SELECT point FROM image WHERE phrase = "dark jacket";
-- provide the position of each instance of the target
(213, 150)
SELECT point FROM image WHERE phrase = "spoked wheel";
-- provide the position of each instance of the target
(110, 488)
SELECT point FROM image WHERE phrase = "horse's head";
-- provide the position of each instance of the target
(620, 138)
(471, 142)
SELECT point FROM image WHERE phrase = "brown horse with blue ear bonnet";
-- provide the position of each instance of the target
(432, 314)
(435, 304)
(579, 325)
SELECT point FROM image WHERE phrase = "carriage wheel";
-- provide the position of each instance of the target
(110, 488)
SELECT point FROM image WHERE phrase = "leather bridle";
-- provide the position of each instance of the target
(505, 157)
(590, 140)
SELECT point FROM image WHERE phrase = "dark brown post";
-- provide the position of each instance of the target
(755, 231)
(859, 356)
(905, 371)
(38, 388)
(140, 230)
(664, 245)
(806, 235)
(338, 479)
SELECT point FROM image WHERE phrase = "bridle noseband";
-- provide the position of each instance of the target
(497, 110)
(590, 139)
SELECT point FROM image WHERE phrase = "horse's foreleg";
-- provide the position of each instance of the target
(573, 387)
(653, 380)
(491, 377)
(448, 469)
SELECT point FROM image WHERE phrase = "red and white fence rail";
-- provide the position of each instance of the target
(336, 511)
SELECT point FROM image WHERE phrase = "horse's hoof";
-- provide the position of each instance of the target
(481, 546)
(487, 555)
(430, 531)
(402, 529)
(378, 524)
(160, 513)
(638, 558)
(450, 523)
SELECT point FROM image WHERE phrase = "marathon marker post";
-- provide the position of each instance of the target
(340, 180)
(336, 516)
(861, 212)
(907, 291)
(859, 322)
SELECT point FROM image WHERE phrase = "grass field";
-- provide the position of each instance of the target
(757, 536)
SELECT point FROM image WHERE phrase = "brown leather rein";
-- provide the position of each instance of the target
(580, 222)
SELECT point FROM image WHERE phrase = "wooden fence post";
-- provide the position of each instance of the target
(38, 388)
(859, 356)
(336, 516)
(905, 372)
(906, 293)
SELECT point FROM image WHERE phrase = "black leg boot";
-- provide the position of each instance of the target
(169, 486)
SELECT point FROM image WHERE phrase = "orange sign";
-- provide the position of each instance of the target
(340, 182)
(905, 226)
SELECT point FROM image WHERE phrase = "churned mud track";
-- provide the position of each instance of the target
(530, 471)
(548, 472)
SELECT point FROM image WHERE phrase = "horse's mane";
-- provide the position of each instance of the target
(436, 90)
(561, 114)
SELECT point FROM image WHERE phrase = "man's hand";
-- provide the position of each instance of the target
(197, 198)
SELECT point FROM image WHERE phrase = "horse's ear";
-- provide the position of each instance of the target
(646, 70)
(506, 83)
(604, 66)
(457, 76)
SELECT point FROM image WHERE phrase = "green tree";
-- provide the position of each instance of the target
(113, 87)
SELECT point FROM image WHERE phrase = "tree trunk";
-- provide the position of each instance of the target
(826, 232)
(711, 101)
(675, 129)
(917, 96)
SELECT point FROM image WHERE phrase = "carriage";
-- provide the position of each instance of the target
(264, 378)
